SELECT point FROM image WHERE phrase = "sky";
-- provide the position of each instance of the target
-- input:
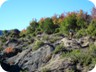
(17, 14)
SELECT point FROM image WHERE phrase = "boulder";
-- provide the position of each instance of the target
(73, 44)
(84, 42)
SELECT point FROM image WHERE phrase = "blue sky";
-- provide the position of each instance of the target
(19, 13)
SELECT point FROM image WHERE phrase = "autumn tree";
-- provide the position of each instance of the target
(69, 23)
(55, 19)
(93, 13)
(81, 19)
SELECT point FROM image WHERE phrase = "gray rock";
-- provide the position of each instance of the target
(33, 60)
(72, 44)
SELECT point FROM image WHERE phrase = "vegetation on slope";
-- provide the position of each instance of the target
(50, 30)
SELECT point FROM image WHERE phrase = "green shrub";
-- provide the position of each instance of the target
(91, 30)
(37, 45)
(32, 28)
(84, 58)
(81, 32)
(57, 30)
(58, 48)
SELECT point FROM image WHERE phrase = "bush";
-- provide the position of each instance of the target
(91, 30)
(84, 58)
(38, 31)
(32, 28)
(58, 48)
(81, 32)
(37, 45)
(57, 30)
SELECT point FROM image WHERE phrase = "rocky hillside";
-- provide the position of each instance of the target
(50, 53)
(61, 43)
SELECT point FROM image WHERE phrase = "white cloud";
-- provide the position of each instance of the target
(2, 2)
(94, 2)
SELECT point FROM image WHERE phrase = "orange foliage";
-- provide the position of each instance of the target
(55, 19)
(81, 15)
(9, 50)
(42, 19)
(24, 30)
(61, 18)
(93, 13)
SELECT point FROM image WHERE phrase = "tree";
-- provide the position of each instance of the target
(55, 19)
(93, 13)
(61, 18)
(32, 28)
(69, 22)
(47, 26)
(81, 19)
